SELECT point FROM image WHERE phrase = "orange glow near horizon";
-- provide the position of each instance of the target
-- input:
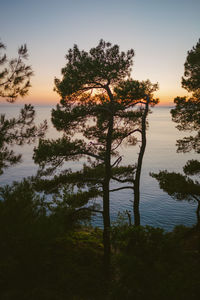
(50, 97)
(42, 93)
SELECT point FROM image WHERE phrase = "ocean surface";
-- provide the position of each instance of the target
(156, 207)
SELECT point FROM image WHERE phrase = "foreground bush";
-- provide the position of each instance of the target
(43, 258)
(152, 264)
(41, 255)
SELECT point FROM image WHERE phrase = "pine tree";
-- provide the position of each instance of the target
(186, 115)
(97, 113)
(14, 82)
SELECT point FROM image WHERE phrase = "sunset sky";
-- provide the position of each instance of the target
(160, 31)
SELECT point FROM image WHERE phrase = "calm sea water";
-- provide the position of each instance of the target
(157, 208)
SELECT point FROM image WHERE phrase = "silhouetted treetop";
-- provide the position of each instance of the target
(14, 74)
(191, 81)
(101, 66)
(186, 112)
(14, 82)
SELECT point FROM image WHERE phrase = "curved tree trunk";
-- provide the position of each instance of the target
(136, 201)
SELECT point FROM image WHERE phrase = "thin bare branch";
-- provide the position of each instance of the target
(118, 160)
(128, 134)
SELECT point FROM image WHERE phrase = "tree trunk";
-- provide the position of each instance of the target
(106, 193)
(198, 223)
(136, 202)
(198, 215)
(106, 230)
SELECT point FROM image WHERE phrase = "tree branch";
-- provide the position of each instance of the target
(196, 198)
(133, 131)
(122, 188)
(91, 154)
(122, 180)
(89, 209)
(118, 160)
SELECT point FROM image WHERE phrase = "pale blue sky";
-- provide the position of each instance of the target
(160, 31)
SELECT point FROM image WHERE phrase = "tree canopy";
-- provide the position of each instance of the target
(186, 115)
(14, 74)
(191, 79)
(102, 66)
(14, 82)
(17, 131)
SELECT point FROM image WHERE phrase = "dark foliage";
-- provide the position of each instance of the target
(18, 131)
(191, 79)
(42, 259)
(178, 185)
(187, 115)
(14, 82)
(152, 264)
(44, 254)
(14, 74)
(192, 167)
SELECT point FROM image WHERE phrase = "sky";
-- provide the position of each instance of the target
(160, 32)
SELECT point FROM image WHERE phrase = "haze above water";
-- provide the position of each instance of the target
(156, 208)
